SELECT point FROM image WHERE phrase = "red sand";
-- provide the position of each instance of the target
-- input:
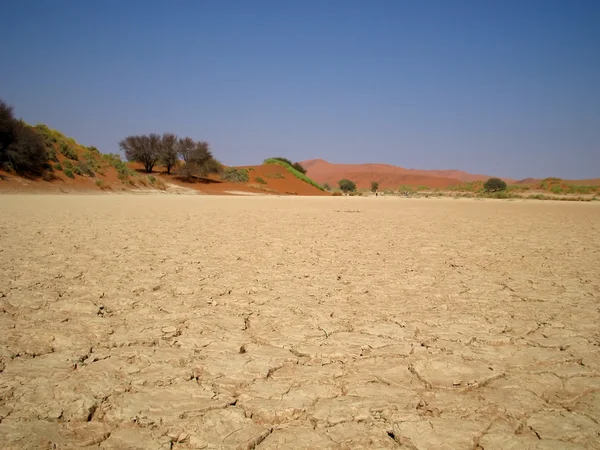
(386, 175)
(277, 181)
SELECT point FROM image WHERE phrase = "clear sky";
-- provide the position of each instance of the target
(509, 88)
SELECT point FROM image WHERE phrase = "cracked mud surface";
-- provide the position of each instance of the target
(158, 322)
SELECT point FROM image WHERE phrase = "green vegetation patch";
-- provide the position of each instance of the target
(235, 175)
(294, 172)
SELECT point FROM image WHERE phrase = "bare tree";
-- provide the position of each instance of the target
(186, 148)
(169, 151)
(144, 149)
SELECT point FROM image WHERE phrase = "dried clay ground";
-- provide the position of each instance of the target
(157, 322)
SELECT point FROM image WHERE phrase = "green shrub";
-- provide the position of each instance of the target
(494, 185)
(85, 169)
(99, 183)
(347, 185)
(69, 173)
(51, 151)
(294, 172)
(557, 189)
(123, 170)
(58, 166)
(68, 164)
(68, 150)
(260, 180)
(77, 170)
(234, 175)
(572, 189)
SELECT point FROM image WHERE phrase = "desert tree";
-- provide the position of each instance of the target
(347, 185)
(374, 186)
(198, 158)
(169, 151)
(22, 149)
(494, 185)
(145, 149)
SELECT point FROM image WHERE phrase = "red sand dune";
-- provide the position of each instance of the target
(276, 181)
(387, 175)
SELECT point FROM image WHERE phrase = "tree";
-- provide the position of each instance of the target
(186, 148)
(347, 185)
(494, 185)
(144, 148)
(374, 186)
(169, 151)
(198, 158)
(21, 147)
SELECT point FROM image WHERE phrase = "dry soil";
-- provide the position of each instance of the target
(158, 322)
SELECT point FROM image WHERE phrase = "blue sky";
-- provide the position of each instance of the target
(508, 88)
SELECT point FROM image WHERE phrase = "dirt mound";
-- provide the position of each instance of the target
(387, 175)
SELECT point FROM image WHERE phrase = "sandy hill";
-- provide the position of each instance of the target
(387, 175)
(72, 167)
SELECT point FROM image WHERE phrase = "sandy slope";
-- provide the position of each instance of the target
(279, 322)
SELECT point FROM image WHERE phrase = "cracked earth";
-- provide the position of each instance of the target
(180, 322)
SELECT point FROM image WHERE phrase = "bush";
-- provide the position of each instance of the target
(84, 169)
(374, 186)
(99, 183)
(337, 194)
(347, 185)
(494, 185)
(260, 180)
(327, 187)
(68, 151)
(299, 167)
(77, 170)
(235, 175)
(69, 173)
(123, 170)
(51, 152)
(22, 149)
(57, 166)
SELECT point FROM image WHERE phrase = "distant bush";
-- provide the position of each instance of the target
(235, 175)
(123, 170)
(77, 170)
(57, 166)
(374, 186)
(327, 187)
(337, 194)
(494, 185)
(260, 180)
(69, 173)
(347, 185)
(99, 183)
